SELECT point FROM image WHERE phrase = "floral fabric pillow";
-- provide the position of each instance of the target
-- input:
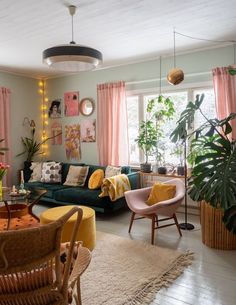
(112, 171)
(36, 175)
(51, 172)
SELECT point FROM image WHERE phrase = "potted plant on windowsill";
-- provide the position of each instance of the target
(150, 132)
(213, 178)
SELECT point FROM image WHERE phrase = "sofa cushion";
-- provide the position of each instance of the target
(96, 179)
(76, 175)
(83, 196)
(51, 188)
(51, 172)
(65, 169)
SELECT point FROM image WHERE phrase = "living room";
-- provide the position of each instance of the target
(141, 42)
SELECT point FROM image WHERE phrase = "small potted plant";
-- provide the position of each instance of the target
(178, 152)
(150, 133)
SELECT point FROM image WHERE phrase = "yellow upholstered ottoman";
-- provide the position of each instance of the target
(87, 229)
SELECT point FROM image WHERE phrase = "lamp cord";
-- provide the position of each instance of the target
(204, 39)
(72, 29)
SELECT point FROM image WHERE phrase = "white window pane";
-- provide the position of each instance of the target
(133, 128)
(208, 106)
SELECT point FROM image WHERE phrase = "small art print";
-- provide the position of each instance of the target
(72, 142)
(56, 133)
(88, 131)
(55, 109)
(71, 103)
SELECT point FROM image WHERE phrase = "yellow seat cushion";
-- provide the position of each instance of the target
(96, 179)
(87, 229)
(161, 192)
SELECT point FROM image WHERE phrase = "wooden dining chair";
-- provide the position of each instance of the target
(31, 270)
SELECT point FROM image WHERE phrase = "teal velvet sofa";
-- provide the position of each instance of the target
(59, 194)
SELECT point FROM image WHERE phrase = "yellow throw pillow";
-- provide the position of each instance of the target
(96, 179)
(161, 192)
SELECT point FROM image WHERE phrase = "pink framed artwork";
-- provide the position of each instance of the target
(71, 103)
(56, 129)
(88, 131)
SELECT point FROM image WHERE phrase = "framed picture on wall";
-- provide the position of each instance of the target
(72, 142)
(56, 133)
(88, 131)
(54, 110)
(71, 103)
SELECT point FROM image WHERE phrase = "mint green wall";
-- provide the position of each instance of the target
(199, 63)
(25, 102)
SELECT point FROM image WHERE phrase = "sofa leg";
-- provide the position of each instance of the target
(177, 224)
(131, 221)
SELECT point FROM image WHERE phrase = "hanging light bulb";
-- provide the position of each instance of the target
(175, 75)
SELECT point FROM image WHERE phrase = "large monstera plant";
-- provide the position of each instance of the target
(213, 177)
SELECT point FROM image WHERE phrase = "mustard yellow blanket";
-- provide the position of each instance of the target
(115, 186)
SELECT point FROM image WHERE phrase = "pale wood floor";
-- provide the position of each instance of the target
(210, 280)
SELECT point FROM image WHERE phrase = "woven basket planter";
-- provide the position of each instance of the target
(214, 233)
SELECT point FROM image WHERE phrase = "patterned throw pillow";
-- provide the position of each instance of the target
(112, 171)
(36, 175)
(77, 175)
(51, 172)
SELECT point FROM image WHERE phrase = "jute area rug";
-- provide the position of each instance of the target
(127, 272)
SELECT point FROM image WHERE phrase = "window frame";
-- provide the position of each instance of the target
(141, 93)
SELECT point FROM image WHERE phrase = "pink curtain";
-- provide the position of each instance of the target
(5, 101)
(225, 93)
(112, 124)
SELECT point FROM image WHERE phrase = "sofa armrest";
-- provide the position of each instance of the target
(134, 180)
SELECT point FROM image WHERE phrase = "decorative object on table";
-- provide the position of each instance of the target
(71, 103)
(175, 75)
(72, 142)
(54, 110)
(72, 57)
(88, 130)
(56, 133)
(87, 106)
(213, 178)
(32, 147)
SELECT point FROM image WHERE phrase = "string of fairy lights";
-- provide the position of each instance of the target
(44, 114)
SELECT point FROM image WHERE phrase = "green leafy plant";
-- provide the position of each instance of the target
(32, 147)
(150, 132)
(213, 177)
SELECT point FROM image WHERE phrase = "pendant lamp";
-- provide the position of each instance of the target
(175, 75)
(72, 57)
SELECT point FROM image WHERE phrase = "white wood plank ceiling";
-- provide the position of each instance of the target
(123, 30)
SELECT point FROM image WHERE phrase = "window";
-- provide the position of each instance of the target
(136, 106)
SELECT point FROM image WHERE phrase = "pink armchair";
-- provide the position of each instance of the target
(136, 202)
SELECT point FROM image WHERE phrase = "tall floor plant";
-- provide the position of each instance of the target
(213, 177)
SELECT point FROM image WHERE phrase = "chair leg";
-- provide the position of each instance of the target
(131, 221)
(177, 224)
(153, 227)
(79, 302)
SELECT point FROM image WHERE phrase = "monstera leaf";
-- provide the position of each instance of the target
(213, 176)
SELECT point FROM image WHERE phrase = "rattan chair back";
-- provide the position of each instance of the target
(30, 267)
